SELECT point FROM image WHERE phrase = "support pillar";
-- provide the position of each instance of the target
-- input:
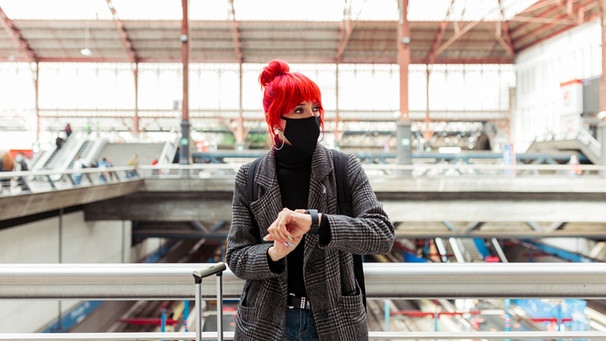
(602, 123)
(602, 140)
(136, 119)
(403, 125)
(35, 74)
(240, 131)
(603, 76)
(184, 142)
(403, 148)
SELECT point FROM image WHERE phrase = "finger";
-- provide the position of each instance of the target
(280, 231)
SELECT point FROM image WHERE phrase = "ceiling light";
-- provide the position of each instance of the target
(86, 51)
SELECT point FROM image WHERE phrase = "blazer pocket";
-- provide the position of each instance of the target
(353, 307)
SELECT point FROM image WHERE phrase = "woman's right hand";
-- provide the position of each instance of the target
(281, 249)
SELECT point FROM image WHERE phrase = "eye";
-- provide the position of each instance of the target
(299, 110)
(316, 109)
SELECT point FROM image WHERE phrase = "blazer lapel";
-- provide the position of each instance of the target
(269, 201)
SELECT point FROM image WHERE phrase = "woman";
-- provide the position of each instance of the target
(7, 164)
(300, 282)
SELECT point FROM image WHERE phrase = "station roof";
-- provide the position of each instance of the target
(114, 34)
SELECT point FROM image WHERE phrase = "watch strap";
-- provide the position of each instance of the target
(315, 221)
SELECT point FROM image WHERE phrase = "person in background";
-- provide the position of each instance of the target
(68, 130)
(155, 171)
(59, 141)
(22, 167)
(483, 142)
(134, 161)
(291, 246)
(110, 173)
(575, 165)
(103, 166)
(7, 164)
(88, 127)
(78, 165)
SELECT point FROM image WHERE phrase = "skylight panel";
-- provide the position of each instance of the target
(55, 9)
(465, 10)
(278, 10)
(297, 10)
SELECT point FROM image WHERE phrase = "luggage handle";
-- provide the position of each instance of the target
(217, 269)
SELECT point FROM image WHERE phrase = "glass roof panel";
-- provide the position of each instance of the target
(308, 10)
(465, 10)
(55, 9)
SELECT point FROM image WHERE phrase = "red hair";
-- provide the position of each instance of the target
(284, 90)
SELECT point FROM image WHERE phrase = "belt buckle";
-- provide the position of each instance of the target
(303, 303)
(290, 306)
(298, 302)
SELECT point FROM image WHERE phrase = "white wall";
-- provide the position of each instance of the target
(66, 240)
(575, 54)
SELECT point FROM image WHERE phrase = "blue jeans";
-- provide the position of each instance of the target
(300, 325)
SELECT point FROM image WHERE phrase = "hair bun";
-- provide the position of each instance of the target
(273, 69)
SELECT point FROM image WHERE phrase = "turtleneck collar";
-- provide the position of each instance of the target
(291, 157)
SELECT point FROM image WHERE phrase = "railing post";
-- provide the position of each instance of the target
(219, 306)
(198, 305)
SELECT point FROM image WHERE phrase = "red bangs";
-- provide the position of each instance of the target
(296, 89)
(286, 92)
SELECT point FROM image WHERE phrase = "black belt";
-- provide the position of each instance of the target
(297, 302)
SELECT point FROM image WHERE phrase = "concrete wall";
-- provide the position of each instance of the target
(66, 239)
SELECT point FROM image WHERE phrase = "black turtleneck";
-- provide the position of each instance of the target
(294, 170)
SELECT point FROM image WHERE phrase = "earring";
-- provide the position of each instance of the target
(282, 146)
(276, 131)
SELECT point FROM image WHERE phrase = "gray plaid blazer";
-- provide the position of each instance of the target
(335, 298)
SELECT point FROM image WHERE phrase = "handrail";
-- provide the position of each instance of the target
(50, 177)
(373, 335)
(404, 281)
(526, 169)
(89, 170)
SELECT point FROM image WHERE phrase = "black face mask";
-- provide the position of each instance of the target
(303, 133)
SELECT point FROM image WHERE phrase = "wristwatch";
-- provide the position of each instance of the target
(315, 221)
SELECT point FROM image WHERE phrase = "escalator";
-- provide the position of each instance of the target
(445, 250)
(582, 142)
(470, 250)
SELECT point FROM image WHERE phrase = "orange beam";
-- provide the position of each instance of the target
(603, 76)
(345, 28)
(235, 30)
(185, 60)
(17, 37)
(404, 57)
(126, 41)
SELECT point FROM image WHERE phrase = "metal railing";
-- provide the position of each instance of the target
(420, 170)
(401, 281)
(46, 180)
